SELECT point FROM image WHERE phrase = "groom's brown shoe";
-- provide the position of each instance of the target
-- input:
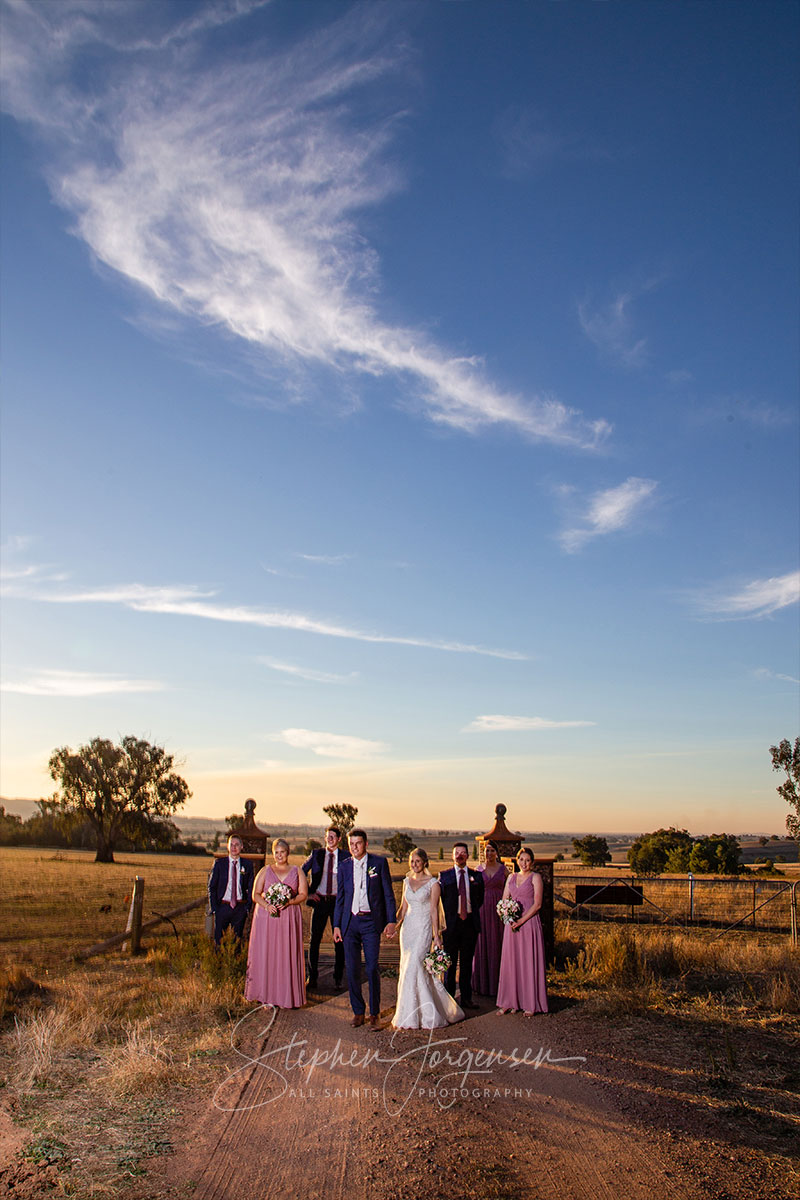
(375, 1022)
(357, 1020)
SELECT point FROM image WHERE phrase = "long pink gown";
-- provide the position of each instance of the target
(523, 985)
(486, 963)
(275, 964)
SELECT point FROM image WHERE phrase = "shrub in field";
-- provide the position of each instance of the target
(666, 849)
(141, 1061)
(196, 954)
(16, 985)
(675, 851)
(592, 850)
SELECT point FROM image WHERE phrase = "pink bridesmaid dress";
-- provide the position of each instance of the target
(275, 965)
(486, 963)
(523, 985)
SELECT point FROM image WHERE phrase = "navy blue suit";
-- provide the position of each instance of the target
(459, 937)
(224, 915)
(364, 930)
(322, 912)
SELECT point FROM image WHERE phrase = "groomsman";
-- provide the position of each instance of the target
(365, 907)
(462, 897)
(230, 890)
(324, 864)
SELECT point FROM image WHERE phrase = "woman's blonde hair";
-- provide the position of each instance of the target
(280, 842)
(418, 852)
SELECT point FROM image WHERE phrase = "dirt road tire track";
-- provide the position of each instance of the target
(332, 1137)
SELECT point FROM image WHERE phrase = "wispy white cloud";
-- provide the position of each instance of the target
(757, 414)
(759, 598)
(528, 142)
(765, 673)
(13, 570)
(504, 724)
(183, 601)
(79, 684)
(328, 560)
(609, 511)
(308, 673)
(229, 193)
(331, 745)
(610, 328)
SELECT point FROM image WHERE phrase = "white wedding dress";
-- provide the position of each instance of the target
(422, 1000)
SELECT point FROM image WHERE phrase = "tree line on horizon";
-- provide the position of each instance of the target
(121, 796)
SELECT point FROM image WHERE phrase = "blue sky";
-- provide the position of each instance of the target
(400, 404)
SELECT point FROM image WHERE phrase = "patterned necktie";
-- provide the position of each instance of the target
(232, 882)
(327, 882)
(462, 897)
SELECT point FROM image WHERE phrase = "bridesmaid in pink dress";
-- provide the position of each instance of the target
(276, 972)
(486, 963)
(522, 966)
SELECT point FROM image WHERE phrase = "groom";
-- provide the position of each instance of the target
(462, 897)
(365, 907)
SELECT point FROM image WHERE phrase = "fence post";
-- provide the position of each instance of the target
(691, 898)
(793, 911)
(136, 913)
(754, 903)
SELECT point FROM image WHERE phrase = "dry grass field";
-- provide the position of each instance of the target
(103, 1060)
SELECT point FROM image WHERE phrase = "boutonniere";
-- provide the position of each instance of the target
(471, 877)
(373, 872)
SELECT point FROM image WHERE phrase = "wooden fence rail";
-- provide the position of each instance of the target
(134, 932)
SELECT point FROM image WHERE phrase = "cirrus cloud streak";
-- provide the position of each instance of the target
(331, 745)
(759, 598)
(80, 684)
(609, 511)
(229, 190)
(189, 601)
(503, 724)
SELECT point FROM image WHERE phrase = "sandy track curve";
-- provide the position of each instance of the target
(325, 1111)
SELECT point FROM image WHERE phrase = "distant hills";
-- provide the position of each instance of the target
(203, 829)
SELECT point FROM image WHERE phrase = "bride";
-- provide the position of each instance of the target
(422, 1001)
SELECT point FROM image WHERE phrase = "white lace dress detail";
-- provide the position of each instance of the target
(422, 1000)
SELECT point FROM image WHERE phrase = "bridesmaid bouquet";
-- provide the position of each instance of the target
(278, 895)
(436, 961)
(509, 911)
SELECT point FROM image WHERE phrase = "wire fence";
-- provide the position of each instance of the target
(53, 904)
(752, 903)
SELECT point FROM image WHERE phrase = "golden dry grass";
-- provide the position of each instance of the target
(650, 967)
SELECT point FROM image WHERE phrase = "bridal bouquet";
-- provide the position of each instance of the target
(278, 895)
(436, 961)
(509, 911)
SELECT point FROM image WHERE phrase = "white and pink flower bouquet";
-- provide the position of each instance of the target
(278, 895)
(436, 961)
(509, 910)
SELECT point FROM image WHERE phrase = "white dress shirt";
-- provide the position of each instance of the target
(360, 901)
(236, 880)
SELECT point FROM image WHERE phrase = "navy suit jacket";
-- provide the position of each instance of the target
(447, 882)
(315, 863)
(218, 882)
(379, 893)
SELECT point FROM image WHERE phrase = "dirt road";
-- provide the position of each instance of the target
(482, 1109)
